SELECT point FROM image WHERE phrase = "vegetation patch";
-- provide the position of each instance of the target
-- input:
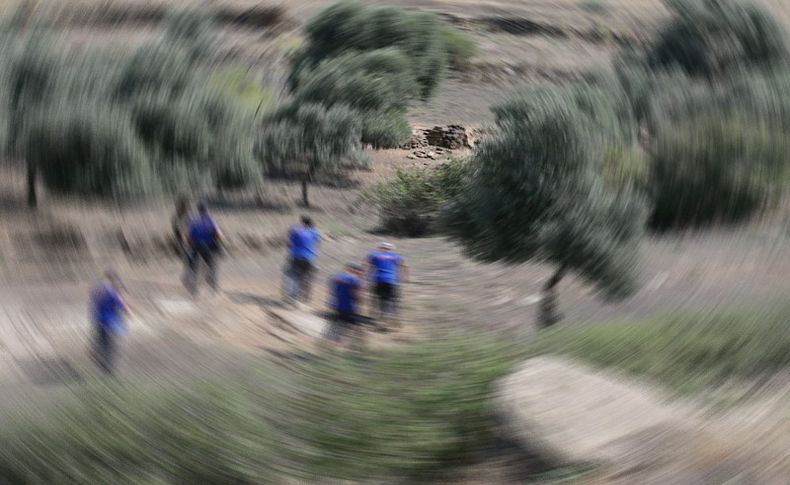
(411, 203)
(688, 353)
(416, 412)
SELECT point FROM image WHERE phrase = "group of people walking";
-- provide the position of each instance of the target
(199, 240)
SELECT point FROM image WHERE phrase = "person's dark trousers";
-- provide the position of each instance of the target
(387, 296)
(206, 254)
(106, 349)
(344, 325)
(303, 271)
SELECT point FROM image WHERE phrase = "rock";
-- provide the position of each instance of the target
(410, 156)
(300, 321)
(452, 137)
(570, 414)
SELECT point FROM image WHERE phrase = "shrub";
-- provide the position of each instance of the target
(306, 139)
(88, 150)
(711, 37)
(714, 170)
(411, 203)
(350, 27)
(377, 84)
(461, 49)
(155, 69)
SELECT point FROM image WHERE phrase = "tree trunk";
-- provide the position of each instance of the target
(32, 194)
(305, 199)
(548, 304)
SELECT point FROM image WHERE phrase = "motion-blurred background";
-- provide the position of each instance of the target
(591, 196)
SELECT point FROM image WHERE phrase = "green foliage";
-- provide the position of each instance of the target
(31, 73)
(308, 139)
(626, 167)
(715, 170)
(461, 49)
(711, 37)
(209, 434)
(88, 151)
(377, 84)
(411, 203)
(155, 68)
(350, 27)
(688, 353)
(412, 412)
(538, 192)
(186, 134)
(239, 85)
(710, 99)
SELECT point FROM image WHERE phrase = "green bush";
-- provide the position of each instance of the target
(88, 150)
(377, 84)
(461, 49)
(411, 203)
(304, 140)
(350, 27)
(712, 37)
(715, 170)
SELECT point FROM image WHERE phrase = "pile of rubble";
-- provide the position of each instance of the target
(436, 142)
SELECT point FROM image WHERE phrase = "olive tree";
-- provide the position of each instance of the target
(379, 85)
(31, 78)
(307, 139)
(711, 38)
(537, 193)
(351, 27)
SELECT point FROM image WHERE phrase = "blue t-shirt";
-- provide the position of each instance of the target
(203, 231)
(345, 288)
(108, 308)
(386, 266)
(303, 242)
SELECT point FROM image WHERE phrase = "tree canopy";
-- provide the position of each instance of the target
(350, 27)
(537, 193)
(308, 139)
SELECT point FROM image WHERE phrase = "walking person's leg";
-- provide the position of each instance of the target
(307, 281)
(209, 257)
(190, 280)
(295, 277)
(106, 349)
(381, 300)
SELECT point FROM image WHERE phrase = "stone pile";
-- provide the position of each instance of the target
(439, 141)
(453, 137)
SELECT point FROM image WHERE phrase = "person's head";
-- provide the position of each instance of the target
(182, 205)
(354, 269)
(113, 279)
(202, 208)
(307, 221)
(385, 246)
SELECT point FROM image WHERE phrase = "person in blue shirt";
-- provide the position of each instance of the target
(385, 269)
(205, 238)
(303, 243)
(344, 291)
(108, 310)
